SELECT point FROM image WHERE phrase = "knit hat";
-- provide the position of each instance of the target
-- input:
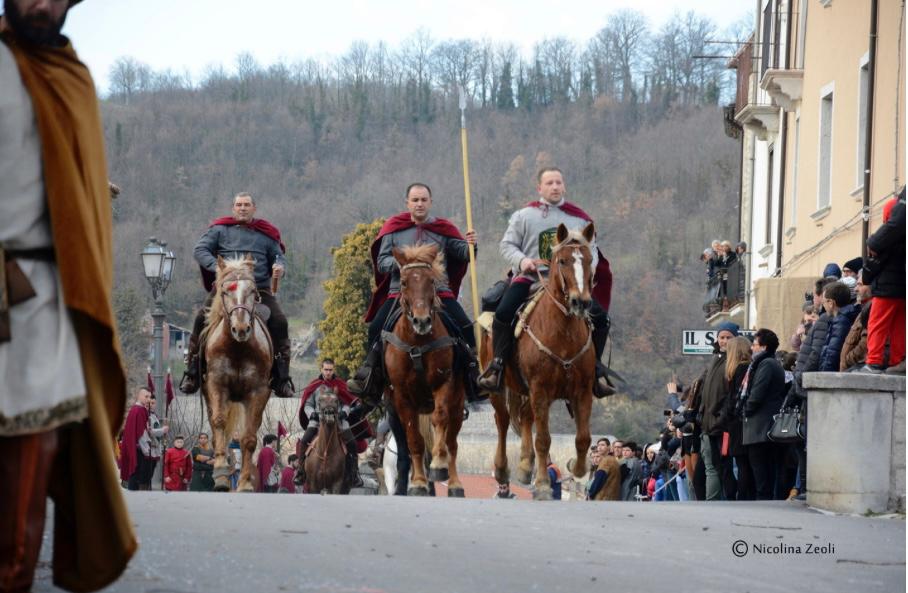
(832, 270)
(728, 326)
(854, 265)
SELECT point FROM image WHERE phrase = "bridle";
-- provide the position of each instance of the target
(404, 305)
(561, 306)
(230, 310)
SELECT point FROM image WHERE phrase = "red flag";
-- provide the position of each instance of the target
(168, 388)
(150, 383)
(281, 431)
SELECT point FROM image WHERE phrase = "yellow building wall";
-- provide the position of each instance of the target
(836, 41)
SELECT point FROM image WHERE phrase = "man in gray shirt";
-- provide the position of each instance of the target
(232, 237)
(529, 240)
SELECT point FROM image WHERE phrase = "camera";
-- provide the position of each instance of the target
(684, 420)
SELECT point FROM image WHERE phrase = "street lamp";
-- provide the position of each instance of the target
(157, 264)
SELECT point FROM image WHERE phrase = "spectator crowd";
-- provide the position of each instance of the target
(725, 278)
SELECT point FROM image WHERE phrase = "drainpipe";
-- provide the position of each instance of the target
(784, 154)
(868, 146)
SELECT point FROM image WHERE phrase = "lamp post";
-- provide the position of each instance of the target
(158, 262)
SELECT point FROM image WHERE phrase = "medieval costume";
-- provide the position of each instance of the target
(134, 461)
(531, 234)
(267, 459)
(177, 469)
(229, 238)
(62, 383)
(309, 418)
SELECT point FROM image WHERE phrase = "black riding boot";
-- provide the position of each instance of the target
(281, 383)
(352, 466)
(367, 382)
(300, 478)
(602, 387)
(474, 393)
(190, 381)
(502, 340)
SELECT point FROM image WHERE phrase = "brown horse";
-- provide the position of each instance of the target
(325, 462)
(238, 353)
(419, 359)
(555, 359)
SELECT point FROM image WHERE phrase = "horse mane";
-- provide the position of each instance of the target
(422, 254)
(239, 267)
(573, 237)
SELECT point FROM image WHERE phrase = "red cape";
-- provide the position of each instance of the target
(602, 291)
(339, 386)
(266, 460)
(136, 423)
(287, 480)
(258, 224)
(399, 222)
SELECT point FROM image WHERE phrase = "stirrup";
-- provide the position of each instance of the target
(601, 386)
(491, 379)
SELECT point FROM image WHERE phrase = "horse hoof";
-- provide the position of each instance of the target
(438, 474)
(456, 493)
(542, 494)
(225, 487)
(418, 491)
(524, 476)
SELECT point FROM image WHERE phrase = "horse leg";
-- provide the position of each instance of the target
(217, 420)
(409, 419)
(541, 404)
(255, 406)
(502, 422)
(583, 406)
(455, 421)
(441, 420)
(525, 466)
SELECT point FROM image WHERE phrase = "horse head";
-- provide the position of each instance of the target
(571, 268)
(237, 295)
(327, 405)
(421, 270)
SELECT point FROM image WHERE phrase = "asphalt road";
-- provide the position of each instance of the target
(193, 542)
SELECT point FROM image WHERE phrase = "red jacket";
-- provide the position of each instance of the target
(267, 458)
(177, 467)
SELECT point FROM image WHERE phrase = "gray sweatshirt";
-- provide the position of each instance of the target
(531, 233)
(236, 241)
(455, 249)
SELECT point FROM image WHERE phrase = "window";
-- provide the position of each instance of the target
(863, 90)
(802, 34)
(770, 169)
(767, 38)
(824, 182)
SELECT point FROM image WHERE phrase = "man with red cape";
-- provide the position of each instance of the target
(231, 237)
(413, 227)
(529, 240)
(132, 461)
(308, 416)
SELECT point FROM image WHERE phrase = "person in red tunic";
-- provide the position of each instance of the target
(414, 227)
(287, 486)
(267, 459)
(177, 466)
(132, 460)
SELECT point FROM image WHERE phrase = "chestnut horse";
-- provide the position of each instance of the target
(555, 359)
(325, 462)
(419, 359)
(238, 353)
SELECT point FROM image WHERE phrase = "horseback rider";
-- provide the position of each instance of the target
(309, 417)
(415, 226)
(529, 238)
(233, 236)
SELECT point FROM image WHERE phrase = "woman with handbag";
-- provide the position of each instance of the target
(762, 393)
(736, 366)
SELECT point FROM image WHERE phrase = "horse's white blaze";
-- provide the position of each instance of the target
(578, 269)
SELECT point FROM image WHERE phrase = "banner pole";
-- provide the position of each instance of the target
(474, 286)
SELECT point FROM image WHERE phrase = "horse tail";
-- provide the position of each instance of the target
(518, 409)
(236, 415)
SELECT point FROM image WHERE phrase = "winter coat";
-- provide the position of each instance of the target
(765, 393)
(712, 392)
(854, 349)
(889, 244)
(809, 355)
(839, 326)
(730, 421)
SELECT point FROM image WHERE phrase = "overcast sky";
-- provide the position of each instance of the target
(188, 35)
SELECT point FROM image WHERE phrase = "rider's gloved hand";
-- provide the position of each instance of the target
(342, 415)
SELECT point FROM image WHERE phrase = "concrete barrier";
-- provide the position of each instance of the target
(855, 442)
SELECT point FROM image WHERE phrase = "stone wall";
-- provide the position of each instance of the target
(856, 442)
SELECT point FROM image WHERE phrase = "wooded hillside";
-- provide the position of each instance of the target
(630, 117)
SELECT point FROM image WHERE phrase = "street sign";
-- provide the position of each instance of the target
(699, 342)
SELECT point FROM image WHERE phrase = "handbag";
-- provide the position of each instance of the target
(787, 426)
